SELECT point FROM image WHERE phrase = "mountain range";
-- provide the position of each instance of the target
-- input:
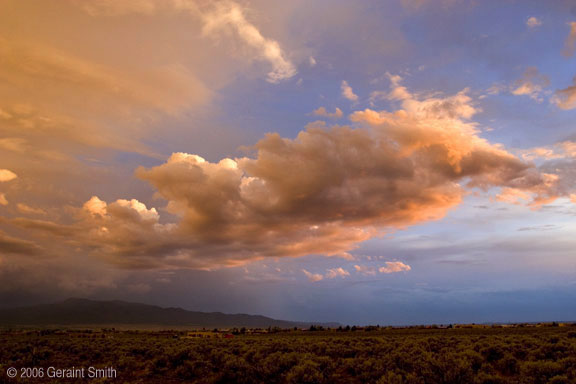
(75, 311)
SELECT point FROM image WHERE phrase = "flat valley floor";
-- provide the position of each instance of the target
(488, 355)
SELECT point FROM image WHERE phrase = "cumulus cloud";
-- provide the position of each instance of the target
(532, 83)
(314, 277)
(394, 266)
(533, 22)
(324, 113)
(333, 273)
(570, 44)
(7, 175)
(348, 92)
(323, 192)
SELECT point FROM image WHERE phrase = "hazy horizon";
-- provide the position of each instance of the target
(391, 162)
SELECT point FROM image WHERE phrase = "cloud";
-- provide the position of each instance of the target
(347, 92)
(13, 144)
(27, 64)
(12, 246)
(124, 232)
(546, 227)
(3, 200)
(390, 267)
(331, 273)
(562, 150)
(49, 228)
(54, 81)
(337, 114)
(118, 8)
(532, 83)
(29, 210)
(394, 266)
(566, 98)
(533, 22)
(415, 5)
(229, 15)
(540, 153)
(570, 44)
(336, 272)
(7, 175)
(218, 18)
(323, 192)
(314, 277)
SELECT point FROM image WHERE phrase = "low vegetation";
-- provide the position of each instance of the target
(487, 355)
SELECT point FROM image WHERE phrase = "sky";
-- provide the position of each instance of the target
(375, 162)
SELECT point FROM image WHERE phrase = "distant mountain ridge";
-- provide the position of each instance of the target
(77, 311)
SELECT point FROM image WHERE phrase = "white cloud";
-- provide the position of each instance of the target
(347, 92)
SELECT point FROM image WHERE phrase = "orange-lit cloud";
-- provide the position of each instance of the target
(333, 273)
(389, 267)
(566, 98)
(313, 277)
(323, 192)
(348, 92)
(219, 19)
(394, 266)
(570, 44)
(13, 246)
(532, 83)
(26, 209)
(229, 15)
(7, 175)
(533, 22)
(332, 115)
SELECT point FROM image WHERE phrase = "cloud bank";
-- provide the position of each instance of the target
(323, 192)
